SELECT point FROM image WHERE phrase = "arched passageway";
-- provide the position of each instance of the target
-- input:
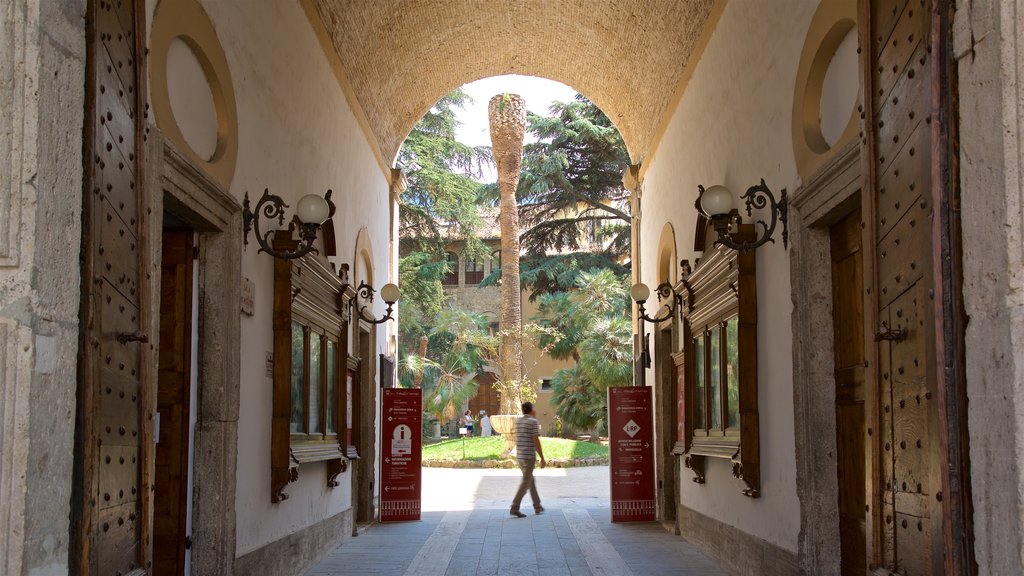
(79, 268)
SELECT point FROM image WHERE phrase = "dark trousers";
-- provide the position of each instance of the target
(527, 483)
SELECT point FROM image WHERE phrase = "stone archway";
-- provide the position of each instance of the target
(665, 344)
(365, 475)
(460, 46)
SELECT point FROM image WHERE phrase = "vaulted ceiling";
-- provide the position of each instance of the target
(396, 58)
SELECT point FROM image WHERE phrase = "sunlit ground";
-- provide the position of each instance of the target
(475, 488)
(491, 448)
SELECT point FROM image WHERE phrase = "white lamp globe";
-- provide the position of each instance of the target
(640, 292)
(389, 293)
(716, 200)
(313, 209)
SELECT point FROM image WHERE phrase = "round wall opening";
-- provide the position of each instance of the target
(191, 99)
(828, 87)
(840, 89)
(190, 88)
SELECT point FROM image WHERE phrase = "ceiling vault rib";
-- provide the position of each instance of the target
(684, 80)
(395, 58)
(327, 45)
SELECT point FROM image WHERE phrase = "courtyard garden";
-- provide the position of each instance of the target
(514, 273)
(487, 453)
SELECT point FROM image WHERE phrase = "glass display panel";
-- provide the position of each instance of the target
(732, 376)
(698, 383)
(332, 387)
(298, 412)
(715, 379)
(315, 352)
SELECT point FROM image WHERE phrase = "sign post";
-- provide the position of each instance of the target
(630, 435)
(401, 454)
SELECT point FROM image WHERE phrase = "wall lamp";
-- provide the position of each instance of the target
(310, 213)
(388, 293)
(640, 292)
(716, 203)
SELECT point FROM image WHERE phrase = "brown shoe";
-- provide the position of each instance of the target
(517, 514)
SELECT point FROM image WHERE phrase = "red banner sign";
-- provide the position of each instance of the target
(630, 440)
(401, 454)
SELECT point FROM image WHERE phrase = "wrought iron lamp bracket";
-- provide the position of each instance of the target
(366, 292)
(758, 196)
(664, 292)
(272, 206)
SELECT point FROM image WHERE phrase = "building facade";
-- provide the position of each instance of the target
(462, 289)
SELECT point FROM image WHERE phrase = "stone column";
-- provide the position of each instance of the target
(988, 49)
(631, 182)
(42, 102)
(399, 182)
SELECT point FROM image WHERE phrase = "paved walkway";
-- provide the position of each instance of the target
(447, 489)
(466, 530)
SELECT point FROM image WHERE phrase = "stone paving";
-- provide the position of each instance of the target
(466, 530)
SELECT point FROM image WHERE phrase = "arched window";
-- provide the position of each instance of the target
(495, 261)
(474, 272)
(451, 278)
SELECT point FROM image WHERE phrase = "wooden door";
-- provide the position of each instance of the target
(174, 378)
(486, 397)
(366, 407)
(851, 431)
(666, 412)
(111, 502)
(906, 495)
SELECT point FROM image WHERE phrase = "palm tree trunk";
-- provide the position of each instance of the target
(507, 118)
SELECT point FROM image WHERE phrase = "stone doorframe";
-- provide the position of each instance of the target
(194, 197)
(831, 193)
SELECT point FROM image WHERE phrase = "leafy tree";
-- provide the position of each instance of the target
(570, 191)
(419, 275)
(438, 205)
(574, 209)
(570, 201)
(577, 401)
(553, 273)
(440, 202)
(461, 348)
(591, 326)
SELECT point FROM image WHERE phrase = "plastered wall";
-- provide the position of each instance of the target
(748, 69)
(297, 135)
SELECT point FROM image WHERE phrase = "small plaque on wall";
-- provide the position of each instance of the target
(248, 297)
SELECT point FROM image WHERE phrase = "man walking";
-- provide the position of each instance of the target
(527, 449)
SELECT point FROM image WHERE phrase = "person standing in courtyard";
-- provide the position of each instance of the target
(485, 424)
(528, 448)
